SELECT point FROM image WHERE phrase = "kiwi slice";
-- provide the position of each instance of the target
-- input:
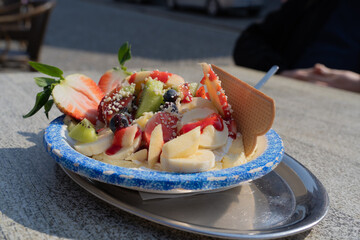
(193, 87)
(151, 97)
(83, 132)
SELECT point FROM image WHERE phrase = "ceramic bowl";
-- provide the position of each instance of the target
(57, 144)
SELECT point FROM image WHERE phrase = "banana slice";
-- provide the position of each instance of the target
(139, 156)
(202, 160)
(155, 146)
(236, 153)
(182, 146)
(122, 154)
(211, 138)
(103, 142)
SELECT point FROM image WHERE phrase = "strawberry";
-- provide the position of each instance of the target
(215, 92)
(111, 79)
(168, 124)
(201, 93)
(118, 100)
(116, 76)
(78, 96)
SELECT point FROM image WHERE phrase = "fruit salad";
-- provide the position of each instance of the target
(145, 119)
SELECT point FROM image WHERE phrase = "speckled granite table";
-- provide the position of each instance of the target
(320, 127)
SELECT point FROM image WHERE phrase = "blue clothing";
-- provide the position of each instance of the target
(338, 43)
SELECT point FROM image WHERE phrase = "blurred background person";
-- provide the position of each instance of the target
(311, 40)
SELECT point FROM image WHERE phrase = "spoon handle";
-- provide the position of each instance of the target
(267, 76)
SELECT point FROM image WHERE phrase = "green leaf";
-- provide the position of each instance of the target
(44, 82)
(41, 100)
(124, 53)
(48, 106)
(47, 69)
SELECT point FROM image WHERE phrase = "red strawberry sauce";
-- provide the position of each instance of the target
(117, 142)
(213, 119)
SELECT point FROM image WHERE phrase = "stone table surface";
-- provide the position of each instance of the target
(320, 127)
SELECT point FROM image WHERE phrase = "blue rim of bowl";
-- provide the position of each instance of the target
(57, 146)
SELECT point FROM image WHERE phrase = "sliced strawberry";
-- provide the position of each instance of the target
(112, 104)
(168, 124)
(78, 96)
(111, 79)
(201, 93)
(215, 92)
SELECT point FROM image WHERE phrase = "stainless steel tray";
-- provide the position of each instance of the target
(286, 201)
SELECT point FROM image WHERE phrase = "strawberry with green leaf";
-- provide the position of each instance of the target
(114, 77)
(75, 95)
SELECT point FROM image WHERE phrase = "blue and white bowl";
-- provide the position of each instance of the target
(57, 145)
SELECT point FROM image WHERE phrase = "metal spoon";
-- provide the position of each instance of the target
(267, 76)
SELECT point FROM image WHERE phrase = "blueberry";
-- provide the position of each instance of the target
(169, 105)
(170, 95)
(118, 121)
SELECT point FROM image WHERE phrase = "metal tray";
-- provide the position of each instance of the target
(286, 201)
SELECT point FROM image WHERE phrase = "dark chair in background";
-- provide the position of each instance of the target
(23, 25)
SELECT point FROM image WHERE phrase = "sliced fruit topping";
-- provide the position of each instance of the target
(216, 93)
(201, 160)
(141, 155)
(84, 132)
(118, 100)
(201, 92)
(185, 93)
(212, 138)
(182, 146)
(236, 154)
(123, 137)
(111, 79)
(197, 102)
(102, 143)
(214, 120)
(69, 122)
(168, 123)
(78, 96)
(169, 107)
(151, 97)
(155, 145)
(123, 153)
(195, 115)
(193, 87)
(169, 79)
(160, 76)
(118, 121)
(170, 95)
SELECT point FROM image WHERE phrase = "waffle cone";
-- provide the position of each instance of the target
(253, 111)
